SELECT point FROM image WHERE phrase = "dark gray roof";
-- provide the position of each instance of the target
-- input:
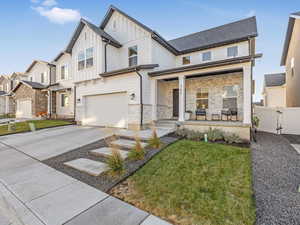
(2, 93)
(232, 32)
(288, 36)
(226, 34)
(276, 79)
(34, 85)
(96, 29)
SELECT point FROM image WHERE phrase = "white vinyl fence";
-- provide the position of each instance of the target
(273, 118)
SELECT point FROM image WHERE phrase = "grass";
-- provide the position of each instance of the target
(39, 124)
(195, 183)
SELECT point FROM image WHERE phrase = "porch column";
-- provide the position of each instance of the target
(154, 99)
(181, 98)
(49, 102)
(247, 76)
(7, 106)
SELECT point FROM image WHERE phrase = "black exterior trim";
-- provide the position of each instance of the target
(128, 70)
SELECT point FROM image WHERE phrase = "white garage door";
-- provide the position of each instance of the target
(24, 109)
(110, 110)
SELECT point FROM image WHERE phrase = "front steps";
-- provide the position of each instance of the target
(125, 143)
(88, 166)
(106, 152)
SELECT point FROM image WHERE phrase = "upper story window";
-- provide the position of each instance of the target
(133, 55)
(206, 56)
(232, 51)
(186, 60)
(64, 72)
(89, 57)
(81, 60)
(43, 78)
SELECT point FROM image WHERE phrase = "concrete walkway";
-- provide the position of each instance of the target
(276, 173)
(32, 193)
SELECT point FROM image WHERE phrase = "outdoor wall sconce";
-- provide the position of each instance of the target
(132, 96)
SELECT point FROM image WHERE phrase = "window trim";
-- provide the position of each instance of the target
(63, 104)
(66, 72)
(133, 56)
(201, 98)
(91, 57)
(210, 56)
(82, 52)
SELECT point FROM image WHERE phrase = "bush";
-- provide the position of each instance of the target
(215, 134)
(231, 138)
(138, 152)
(181, 132)
(190, 134)
(115, 163)
(155, 142)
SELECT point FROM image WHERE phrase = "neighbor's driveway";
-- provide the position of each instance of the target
(276, 173)
(47, 143)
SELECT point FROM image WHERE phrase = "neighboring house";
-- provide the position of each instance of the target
(127, 75)
(62, 88)
(274, 91)
(291, 60)
(31, 96)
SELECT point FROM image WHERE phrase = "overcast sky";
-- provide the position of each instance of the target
(39, 29)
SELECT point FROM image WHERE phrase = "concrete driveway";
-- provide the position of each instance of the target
(47, 143)
(31, 193)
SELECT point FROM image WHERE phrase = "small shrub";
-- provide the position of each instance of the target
(215, 134)
(255, 121)
(138, 152)
(181, 132)
(195, 135)
(154, 142)
(115, 162)
(231, 138)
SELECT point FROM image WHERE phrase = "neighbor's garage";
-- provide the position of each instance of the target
(110, 110)
(24, 109)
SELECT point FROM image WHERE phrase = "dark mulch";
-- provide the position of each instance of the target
(276, 178)
(103, 182)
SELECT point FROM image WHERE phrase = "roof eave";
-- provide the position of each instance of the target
(288, 36)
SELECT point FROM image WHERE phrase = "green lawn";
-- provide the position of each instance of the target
(193, 183)
(39, 124)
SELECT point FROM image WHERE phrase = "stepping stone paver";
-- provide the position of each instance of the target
(91, 167)
(106, 151)
(127, 143)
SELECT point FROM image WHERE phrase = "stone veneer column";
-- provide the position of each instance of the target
(181, 98)
(154, 99)
(247, 70)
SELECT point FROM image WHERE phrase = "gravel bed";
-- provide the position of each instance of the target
(102, 182)
(276, 179)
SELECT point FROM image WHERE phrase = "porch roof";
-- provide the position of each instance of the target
(219, 63)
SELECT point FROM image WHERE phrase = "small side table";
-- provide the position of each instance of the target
(215, 116)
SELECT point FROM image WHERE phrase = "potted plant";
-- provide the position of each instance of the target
(188, 114)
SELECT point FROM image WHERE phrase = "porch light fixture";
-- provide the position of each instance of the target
(132, 96)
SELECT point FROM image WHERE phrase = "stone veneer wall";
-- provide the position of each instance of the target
(215, 86)
(41, 102)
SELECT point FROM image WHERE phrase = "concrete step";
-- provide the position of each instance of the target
(88, 166)
(125, 143)
(106, 151)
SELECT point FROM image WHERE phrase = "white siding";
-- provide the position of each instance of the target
(275, 96)
(36, 72)
(92, 40)
(162, 56)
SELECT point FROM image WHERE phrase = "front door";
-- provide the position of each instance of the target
(175, 102)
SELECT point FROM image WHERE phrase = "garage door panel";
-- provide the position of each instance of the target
(24, 109)
(109, 110)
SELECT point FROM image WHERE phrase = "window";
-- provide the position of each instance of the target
(186, 60)
(64, 72)
(232, 51)
(230, 94)
(81, 60)
(133, 56)
(89, 57)
(64, 100)
(206, 56)
(43, 78)
(202, 98)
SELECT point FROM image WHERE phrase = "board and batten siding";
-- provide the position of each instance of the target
(87, 39)
(36, 72)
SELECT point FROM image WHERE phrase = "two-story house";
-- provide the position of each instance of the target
(7, 84)
(291, 60)
(127, 75)
(274, 90)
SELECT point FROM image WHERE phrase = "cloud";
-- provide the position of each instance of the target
(49, 3)
(251, 13)
(34, 1)
(59, 15)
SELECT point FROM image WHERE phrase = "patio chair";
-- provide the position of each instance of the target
(200, 112)
(225, 112)
(233, 112)
(229, 113)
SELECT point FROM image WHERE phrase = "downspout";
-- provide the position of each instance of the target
(107, 42)
(250, 53)
(141, 96)
(50, 94)
(75, 103)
